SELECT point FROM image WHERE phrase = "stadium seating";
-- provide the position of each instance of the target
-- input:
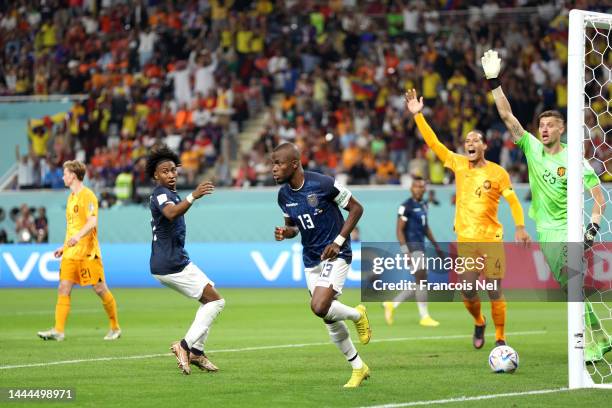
(160, 72)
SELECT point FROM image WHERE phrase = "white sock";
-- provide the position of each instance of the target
(205, 315)
(338, 311)
(421, 297)
(199, 344)
(339, 334)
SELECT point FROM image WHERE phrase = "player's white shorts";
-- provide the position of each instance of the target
(327, 273)
(191, 281)
(420, 255)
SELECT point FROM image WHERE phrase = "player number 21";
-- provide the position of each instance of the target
(306, 221)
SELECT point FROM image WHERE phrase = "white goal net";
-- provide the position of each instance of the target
(589, 136)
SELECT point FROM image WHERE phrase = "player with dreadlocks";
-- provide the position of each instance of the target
(170, 263)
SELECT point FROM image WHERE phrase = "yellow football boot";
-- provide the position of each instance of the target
(389, 310)
(363, 325)
(427, 321)
(359, 374)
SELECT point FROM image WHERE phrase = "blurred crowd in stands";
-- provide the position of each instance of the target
(23, 225)
(329, 76)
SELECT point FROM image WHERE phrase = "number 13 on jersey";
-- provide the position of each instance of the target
(306, 221)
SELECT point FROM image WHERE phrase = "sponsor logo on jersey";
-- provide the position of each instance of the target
(292, 204)
(561, 171)
(312, 200)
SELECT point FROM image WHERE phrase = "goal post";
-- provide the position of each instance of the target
(581, 42)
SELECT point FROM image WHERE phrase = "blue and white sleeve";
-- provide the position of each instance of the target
(344, 195)
(281, 203)
(402, 212)
(161, 198)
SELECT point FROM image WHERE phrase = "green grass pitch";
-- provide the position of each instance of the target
(272, 351)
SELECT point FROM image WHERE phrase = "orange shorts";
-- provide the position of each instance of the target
(493, 253)
(83, 272)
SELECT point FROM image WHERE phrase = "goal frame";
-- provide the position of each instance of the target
(578, 19)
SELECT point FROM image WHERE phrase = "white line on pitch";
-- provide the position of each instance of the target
(237, 350)
(464, 399)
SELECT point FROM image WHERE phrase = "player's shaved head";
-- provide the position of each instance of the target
(286, 163)
(287, 151)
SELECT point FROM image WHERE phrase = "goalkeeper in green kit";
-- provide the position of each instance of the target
(547, 164)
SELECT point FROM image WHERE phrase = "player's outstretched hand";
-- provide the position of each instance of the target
(279, 233)
(58, 252)
(330, 252)
(491, 64)
(413, 104)
(203, 189)
(522, 236)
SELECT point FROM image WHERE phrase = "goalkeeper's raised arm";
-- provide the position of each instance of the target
(491, 64)
(415, 106)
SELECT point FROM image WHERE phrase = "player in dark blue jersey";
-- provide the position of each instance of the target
(412, 228)
(311, 206)
(170, 262)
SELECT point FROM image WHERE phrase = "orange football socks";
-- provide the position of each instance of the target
(62, 308)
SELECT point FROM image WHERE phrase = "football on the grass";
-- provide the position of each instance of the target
(503, 359)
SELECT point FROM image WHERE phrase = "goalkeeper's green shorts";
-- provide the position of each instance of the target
(554, 247)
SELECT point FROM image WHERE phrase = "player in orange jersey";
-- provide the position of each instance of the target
(81, 259)
(480, 184)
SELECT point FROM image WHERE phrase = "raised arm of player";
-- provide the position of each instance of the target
(290, 230)
(491, 65)
(173, 211)
(415, 106)
(355, 211)
(516, 209)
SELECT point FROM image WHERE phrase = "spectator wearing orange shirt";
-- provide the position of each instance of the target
(190, 162)
(350, 156)
(183, 119)
(385, 170)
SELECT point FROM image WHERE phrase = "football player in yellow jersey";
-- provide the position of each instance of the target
(81, 259)
(480, 184)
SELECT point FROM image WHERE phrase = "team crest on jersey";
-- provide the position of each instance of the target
(561, 171)
(312, 200)
(75, 209)
(486, 185)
